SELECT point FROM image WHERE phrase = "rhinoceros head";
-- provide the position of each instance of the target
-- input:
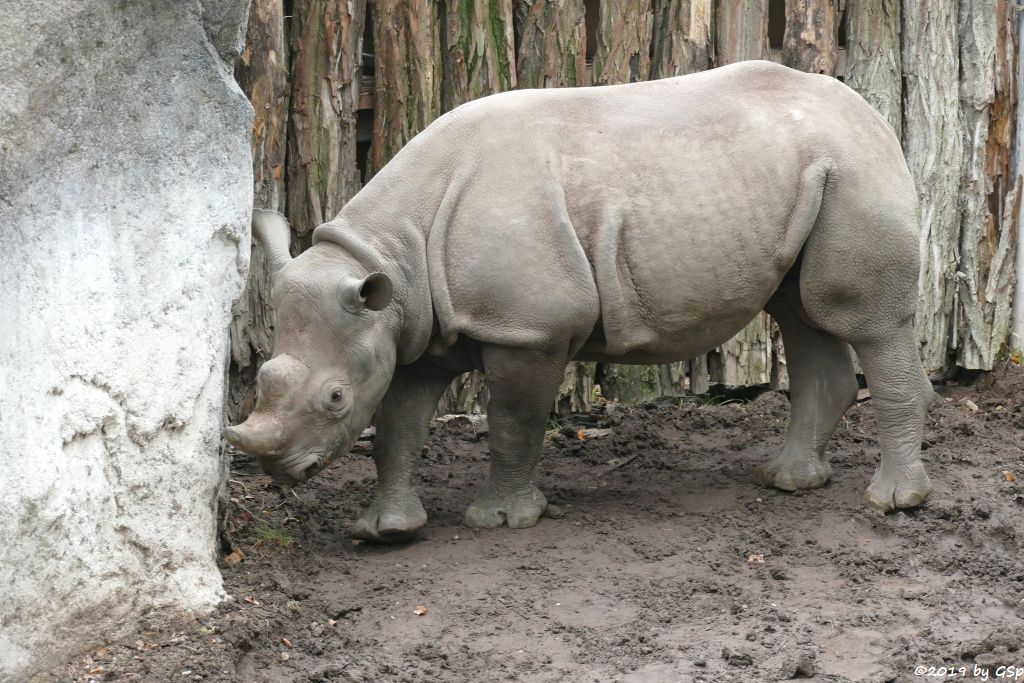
(333, 359)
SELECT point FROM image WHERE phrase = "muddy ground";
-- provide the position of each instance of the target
(668, 564)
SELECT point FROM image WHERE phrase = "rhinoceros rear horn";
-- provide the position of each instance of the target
(271, 230)
(373, 292)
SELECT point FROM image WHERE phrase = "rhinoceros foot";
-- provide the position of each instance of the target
(391, 519)
(905, 488)
(790, 473)
(519, 510)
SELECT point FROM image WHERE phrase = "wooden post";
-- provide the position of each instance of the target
(623, 42)
(552, 45)
(262, 73)
(989, 192)
(742, 34)
(873, 56)
(741, 28)
(479, 54)
(407, 69)
(326, 71)
(681, 37)
(812, 33)
(933, 145)
(478, 60)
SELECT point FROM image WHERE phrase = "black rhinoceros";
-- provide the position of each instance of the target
(640, 223)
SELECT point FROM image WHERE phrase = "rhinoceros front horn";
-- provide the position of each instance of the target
(260, 435)
(271, 230)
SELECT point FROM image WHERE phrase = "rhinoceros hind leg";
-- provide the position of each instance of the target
(522, 385)
(517, 510)
(859, 282)
(901, 394)
(822, 386)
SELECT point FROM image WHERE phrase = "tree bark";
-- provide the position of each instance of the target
(262, 73)
(933, 145)
(742, 31)
(326, 72)
(479, 54)
(873, 56)
(681, 37)
(742, 28)
(552, 45)
(479, 60)
(623, 42)
(988, 190)
(812, 35)
(407, 68)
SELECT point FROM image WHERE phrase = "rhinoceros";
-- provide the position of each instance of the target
(641, 223)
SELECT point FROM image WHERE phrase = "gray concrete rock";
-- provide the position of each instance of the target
(125, 194)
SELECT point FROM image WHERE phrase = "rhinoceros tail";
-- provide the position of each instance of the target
(803, 214)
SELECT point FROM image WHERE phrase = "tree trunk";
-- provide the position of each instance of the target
(933, 144)
(747, 358)
(407, 68)
(479, 60)
(479, 54)
(552, 45)
(812, 36)
(623, 42)
(742, 31)
(326, 71)
(681, 37)
(989, 192)
(262, 73)
(873, 56)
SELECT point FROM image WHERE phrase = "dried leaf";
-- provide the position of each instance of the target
(971, 404)
(286, 642)
(251, 600)
(235, 557)
(357, 541)
(100, 652)
(581, 434)
(419, 610)
(1009, 476)
(755, 559)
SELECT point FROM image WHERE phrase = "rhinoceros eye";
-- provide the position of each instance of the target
(336, 396)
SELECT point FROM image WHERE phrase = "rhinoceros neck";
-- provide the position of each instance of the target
(386, 226)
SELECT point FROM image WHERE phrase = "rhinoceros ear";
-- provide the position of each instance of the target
(271, 230)
(373, 292)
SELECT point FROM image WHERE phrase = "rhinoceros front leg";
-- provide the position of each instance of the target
(522, 385)
(403, 420)
(822, 386)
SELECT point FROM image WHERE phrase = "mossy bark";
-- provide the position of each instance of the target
(552, 47)
(623, 42)
(262, 73)
(407, 68)
(479, 54)
(326, 71)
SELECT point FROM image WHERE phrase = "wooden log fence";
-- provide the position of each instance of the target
(339, 87)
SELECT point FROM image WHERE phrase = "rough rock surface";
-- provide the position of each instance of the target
(125, 191)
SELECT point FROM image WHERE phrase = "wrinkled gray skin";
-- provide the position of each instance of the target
(640, 223)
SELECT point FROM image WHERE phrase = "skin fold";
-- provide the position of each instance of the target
(640, 223)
